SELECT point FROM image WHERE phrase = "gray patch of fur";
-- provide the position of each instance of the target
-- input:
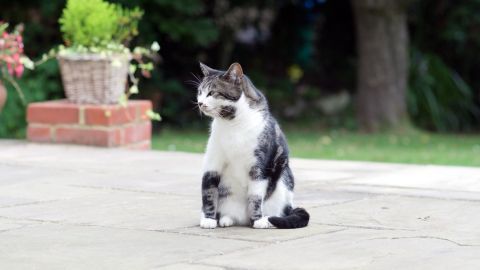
(272, 158)
(228, 112)
(255, 207)
(224, 191)
(210, 182)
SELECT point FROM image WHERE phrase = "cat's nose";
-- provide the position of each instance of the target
(200, 104)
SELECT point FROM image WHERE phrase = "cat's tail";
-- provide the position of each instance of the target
(297, 218)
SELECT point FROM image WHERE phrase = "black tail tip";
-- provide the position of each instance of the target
(298, 218)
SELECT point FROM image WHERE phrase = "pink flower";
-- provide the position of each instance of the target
(16, 57)
(18, 70)
(11, 51)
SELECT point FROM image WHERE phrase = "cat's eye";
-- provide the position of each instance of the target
(209, 94)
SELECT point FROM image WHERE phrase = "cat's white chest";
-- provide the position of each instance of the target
(238, 144)
(238, 147)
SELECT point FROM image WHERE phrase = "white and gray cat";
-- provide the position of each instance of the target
(246, 176)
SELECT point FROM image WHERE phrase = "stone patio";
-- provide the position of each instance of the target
(70, 207)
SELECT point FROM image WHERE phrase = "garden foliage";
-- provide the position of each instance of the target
(443, 91)
(97, 23)
(438, 98)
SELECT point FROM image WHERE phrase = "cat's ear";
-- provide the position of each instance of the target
(206, 70)
(250, 91)
(234, 73)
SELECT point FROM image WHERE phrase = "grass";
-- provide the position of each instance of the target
(413, 147)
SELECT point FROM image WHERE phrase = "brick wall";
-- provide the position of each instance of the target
(98, 125)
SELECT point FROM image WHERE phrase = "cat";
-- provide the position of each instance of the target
(246, 179)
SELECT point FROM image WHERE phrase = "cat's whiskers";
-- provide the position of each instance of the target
(196, 77)
(197, 107)
(194, 83)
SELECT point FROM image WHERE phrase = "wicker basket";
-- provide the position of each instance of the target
(94, 78)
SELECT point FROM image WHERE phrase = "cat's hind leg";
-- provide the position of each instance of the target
(262, 223)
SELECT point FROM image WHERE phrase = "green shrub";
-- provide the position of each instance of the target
(88, 22)
(438, 98)
(127, 23)
(96, 23)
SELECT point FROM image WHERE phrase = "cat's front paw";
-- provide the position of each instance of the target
(262, 223)
(208, 223)
(225, 221)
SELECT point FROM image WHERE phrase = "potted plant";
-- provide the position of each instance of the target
(12, 60)
(96, 60)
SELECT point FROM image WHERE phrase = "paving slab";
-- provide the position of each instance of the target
(355, 249)
(450, 219)
(122, 209)
(59, 246)
(425, 177)
(71, 207)
(266, 236)
(191, 266)
(9, 224)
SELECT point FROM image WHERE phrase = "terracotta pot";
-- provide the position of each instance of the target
(3, 95)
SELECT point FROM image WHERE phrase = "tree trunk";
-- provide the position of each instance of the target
(382, 47)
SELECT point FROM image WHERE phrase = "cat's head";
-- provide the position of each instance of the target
(222, 93)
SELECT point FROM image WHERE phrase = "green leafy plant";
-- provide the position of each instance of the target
(89, 23)
(438, 98)
(99, 27)
(96, 23)
(127, 24)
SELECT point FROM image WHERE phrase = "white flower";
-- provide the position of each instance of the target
(155, 46)
(133, 89)
(27, 62)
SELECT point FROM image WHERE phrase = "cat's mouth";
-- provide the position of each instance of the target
(207, 111)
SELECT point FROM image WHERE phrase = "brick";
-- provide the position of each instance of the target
(138, 132)
(109, 115)
(142, 107)
(38, 133)
(96, 137)
(146, 145)
(53, 112)
(98, 125)
(117, 137)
